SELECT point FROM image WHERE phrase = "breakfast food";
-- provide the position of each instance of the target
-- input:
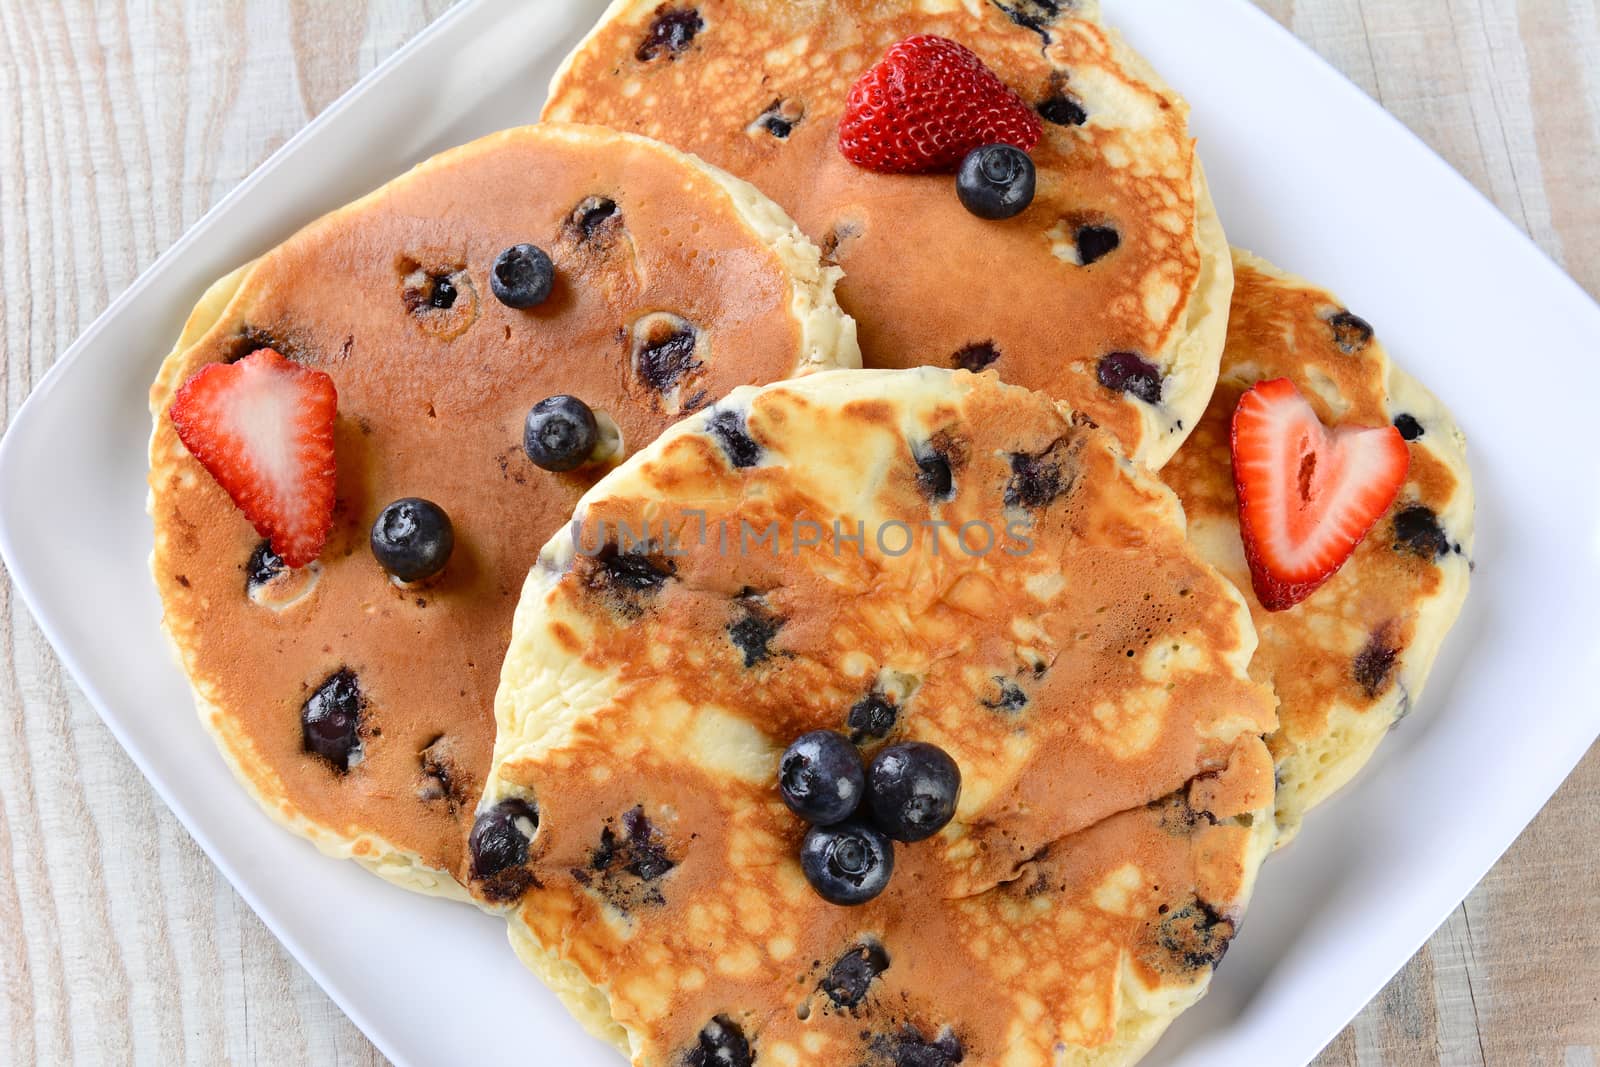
(879, 717)
(1350, 659)
(371, 395)
(1095, 271)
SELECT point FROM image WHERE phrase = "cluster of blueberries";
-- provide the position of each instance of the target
(412, 538)
(906, 794)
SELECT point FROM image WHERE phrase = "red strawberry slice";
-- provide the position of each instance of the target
(263, 428)
(926, 104)
(1307, 495)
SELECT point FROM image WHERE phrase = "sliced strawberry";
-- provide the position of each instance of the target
(263, 428)
(926, 104)
(1307, 495)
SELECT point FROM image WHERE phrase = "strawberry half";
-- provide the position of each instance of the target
(926, 104)
(1307, 494)
(263, 428)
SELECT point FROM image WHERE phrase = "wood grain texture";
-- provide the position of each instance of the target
(123, 121)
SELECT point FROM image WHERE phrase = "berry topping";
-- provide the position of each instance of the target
(779, 119)
(850, 978)
(522, 276)
(752, 632)
(934, 476)
(1128, 373)
(1374, 664)
(593, 217)
(721, 1044)
(1036, 480)
(1417, 529)
(976, 356)
(1063, 110)
(663, 350)
(873, 716)
(500, 837)
(264, 566)
(1096, 242)
(1307, 495)
(671, 31)
(996, 181)
(1408, 426)
(412, 538)
(1351, 333)
(330, 720)
(560, 434)
(820, 777)
(442, 292)
(909, 1048)
(263, 428)
(926, 104)
(912, 790)
(728, 427)
(848, 863)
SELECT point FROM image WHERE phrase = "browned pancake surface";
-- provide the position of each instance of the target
(928, 282)
(1115, 786)
(431, 404)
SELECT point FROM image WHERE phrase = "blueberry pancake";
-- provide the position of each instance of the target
(354, 696)
(1351, 660)
(1109, 292)
(919, 561)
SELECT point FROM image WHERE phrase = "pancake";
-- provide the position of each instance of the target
(1349, 662)
(431, 403)
(1131, 339)
(1037, 613)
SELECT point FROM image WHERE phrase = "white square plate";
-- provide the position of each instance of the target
(1306, 170)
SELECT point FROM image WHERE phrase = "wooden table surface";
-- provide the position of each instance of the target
(123, 121)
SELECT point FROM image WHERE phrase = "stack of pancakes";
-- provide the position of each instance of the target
(1015, 536)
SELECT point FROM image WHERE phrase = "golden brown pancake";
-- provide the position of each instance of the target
(1351, 660)
(431, 404)
(1131, 338)
(1021, 595)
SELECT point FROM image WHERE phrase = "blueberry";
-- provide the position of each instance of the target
(522, 276)
(413, 539)
(1063, 110)
(1351, 333)
(560, 433)
(730, 429)
(591, 217)
(721, 1044)
(442, 293)
(934, 476)
(1036, 480)
(1096, 242)
(664, 351)
(850, 979)
(1375, 663)
(847, 864)
(264, 566)
(1195, 936)
(670, 32)
(1128, 373)
(500, 837)
(330, 720)
(996, 181)
(872, 716)
(752, 632)
(1408, 426)
(912, 789)
(1417, 528)
(976, 356)
(820, 777)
